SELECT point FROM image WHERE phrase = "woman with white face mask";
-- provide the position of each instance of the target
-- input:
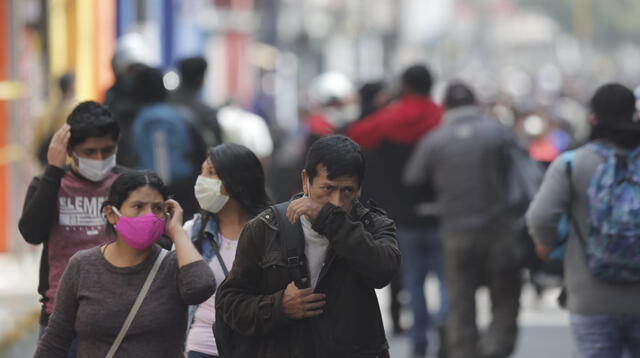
(230, 191)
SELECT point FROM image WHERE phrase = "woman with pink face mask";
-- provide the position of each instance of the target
(130, 297)
(230, 191)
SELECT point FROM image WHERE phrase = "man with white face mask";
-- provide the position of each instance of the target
(62, 206)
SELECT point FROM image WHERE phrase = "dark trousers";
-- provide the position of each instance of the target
(473, 260)
(395, 307)
(421, 255)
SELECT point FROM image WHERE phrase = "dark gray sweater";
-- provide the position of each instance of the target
(95, 297)
(585, 293)
(465, 160)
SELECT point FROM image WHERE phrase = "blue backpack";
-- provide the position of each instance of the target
(162, 141)
(613, 239)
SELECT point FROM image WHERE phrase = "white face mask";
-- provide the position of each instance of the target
(95, 170)
(209, 195)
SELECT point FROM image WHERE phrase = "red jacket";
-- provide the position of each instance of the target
(319, 126)
(388, 137)
(404, 122)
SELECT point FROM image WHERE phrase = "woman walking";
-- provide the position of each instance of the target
(230, 191)
(95, 300)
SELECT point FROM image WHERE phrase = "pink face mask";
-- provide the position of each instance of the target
(141, 231)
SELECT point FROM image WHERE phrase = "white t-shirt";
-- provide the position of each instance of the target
(315, 249)
(200, 338)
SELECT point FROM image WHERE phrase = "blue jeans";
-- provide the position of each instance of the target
(421, 254)
(606, 335)
(194, 354)
(73, 348)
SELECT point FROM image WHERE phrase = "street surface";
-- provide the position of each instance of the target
(544, 327)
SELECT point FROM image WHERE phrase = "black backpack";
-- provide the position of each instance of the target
(232, 344)
(524, 177)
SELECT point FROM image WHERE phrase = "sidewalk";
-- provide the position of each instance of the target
(543, 326)
(19, 306)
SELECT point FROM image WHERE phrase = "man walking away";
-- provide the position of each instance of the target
(188, 95)
(465, 161)
(599, 189)
(388, 137)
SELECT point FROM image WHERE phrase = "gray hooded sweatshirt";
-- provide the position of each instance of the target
(586, 294)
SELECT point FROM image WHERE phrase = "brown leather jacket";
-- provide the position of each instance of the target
(363, 255)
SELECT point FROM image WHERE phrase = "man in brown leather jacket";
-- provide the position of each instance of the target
(349, 251)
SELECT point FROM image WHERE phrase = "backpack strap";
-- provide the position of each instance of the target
(292, 243)
(564, 226)
(570, 160)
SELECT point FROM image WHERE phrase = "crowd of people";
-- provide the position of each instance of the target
(160, 236)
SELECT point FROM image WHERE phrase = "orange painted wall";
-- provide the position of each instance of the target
(105, 35)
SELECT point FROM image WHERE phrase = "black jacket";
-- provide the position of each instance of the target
(362, 256)
(383, 183)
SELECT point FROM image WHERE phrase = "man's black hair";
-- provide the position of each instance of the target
(129, 182)
(417, 79)
(192, 71)
(459, 94)
(148, 86)
(368, 93)
(91, 119)
(614, 107)
(339, 155)
(613, 103)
